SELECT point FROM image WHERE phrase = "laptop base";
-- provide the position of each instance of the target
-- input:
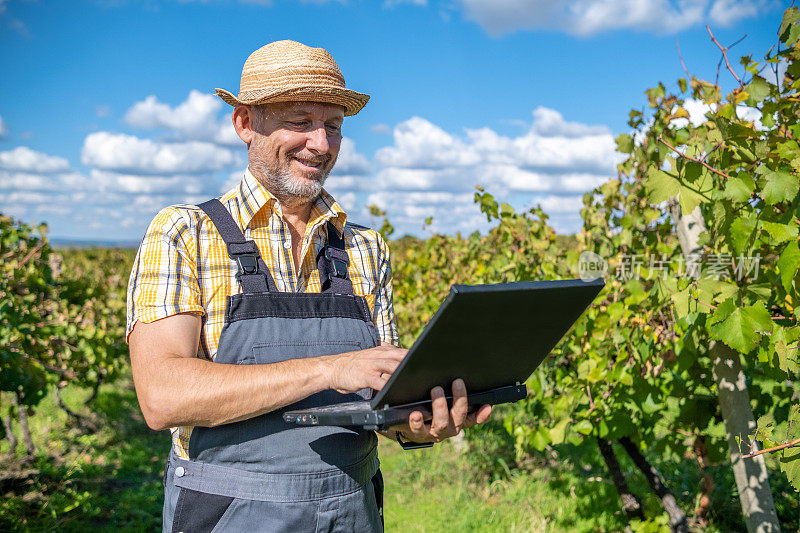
(360, 414)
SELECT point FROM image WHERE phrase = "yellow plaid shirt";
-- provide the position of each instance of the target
(183, 267)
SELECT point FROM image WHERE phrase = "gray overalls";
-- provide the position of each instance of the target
(262, 474)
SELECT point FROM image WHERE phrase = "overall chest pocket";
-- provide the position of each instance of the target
(275, 352)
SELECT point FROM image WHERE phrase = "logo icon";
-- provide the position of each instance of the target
(591, 266)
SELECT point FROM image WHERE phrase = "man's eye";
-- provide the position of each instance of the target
(300, 124)
(333, 128)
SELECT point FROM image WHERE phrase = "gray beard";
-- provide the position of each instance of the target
(287, 189)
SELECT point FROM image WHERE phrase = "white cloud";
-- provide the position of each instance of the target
(551, 123)
(590, 17)
(421, 144)
(37, 186)
(23, 159)
(728, 12)
(428, 171)
(196, 118)
(349, 160)
(148, 184)
(3, 128)
(126, 153)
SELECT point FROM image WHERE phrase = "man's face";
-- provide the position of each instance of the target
(294, 147)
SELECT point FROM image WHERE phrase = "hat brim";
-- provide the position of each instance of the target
(352, 101)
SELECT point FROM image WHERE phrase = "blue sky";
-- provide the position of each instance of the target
(107, 112)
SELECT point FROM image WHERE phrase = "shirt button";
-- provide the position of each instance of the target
(287, 245)
(180, 471)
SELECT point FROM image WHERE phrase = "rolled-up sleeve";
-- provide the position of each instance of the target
(383, 310)
(163, 279)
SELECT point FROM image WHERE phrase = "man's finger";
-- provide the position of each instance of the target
(478, 417)
(385, 365)
(389, 351)
(417, 425)
(460, 404)
(441, 414)
(483, 414)
(377, 382)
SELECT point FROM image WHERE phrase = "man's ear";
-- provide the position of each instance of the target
(243, 123)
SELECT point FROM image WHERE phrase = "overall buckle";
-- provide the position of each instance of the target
(246, 257)
(248, 264)
(339, 265)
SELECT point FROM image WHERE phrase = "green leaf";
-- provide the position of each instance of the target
(584, 427)
(660, 185)
(790, 464)
(712, 290)
(651, 405)
(681, 300)
(739, 327)
(790, 457)
(777, 185)
(540, 438)
(781, 232)
(766, 425)
(739, 188)
(624, 143)
(790, 17)
(758, 89)
(788, 264)
(696, 183)
(682, 84)
(785, 346)
(741, 229)
(691, 198)
(559, 431)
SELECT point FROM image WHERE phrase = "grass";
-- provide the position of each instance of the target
(435, 490)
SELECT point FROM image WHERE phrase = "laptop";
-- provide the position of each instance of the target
(491, 336)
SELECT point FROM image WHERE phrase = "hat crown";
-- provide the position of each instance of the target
(288, 71)
(285, 64)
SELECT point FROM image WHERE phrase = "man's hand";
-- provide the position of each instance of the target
(446, 422)
(353, 371)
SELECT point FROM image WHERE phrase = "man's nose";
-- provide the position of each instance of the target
(317, 140)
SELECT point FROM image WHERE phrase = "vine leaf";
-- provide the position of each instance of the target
(785, 346)
(790, 457)
(758, 89)
(739, 327)
(739, 188)
(661, 186)
(781, 232)
(778, 185)
(788, 264)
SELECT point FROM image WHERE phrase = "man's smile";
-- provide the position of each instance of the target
(309, 164)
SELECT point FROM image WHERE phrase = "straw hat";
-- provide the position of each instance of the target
(288, 71)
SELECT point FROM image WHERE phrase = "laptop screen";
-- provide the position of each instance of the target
(489, 335)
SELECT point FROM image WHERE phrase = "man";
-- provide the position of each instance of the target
(268, 298)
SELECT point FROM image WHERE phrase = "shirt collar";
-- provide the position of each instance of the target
(253, 197)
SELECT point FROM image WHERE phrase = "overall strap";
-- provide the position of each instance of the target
(253, 272)
(332, 263)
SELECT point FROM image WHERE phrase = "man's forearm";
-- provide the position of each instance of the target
(175, 388)
(195, 392)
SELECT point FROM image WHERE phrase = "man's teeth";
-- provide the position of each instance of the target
(310, 163)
